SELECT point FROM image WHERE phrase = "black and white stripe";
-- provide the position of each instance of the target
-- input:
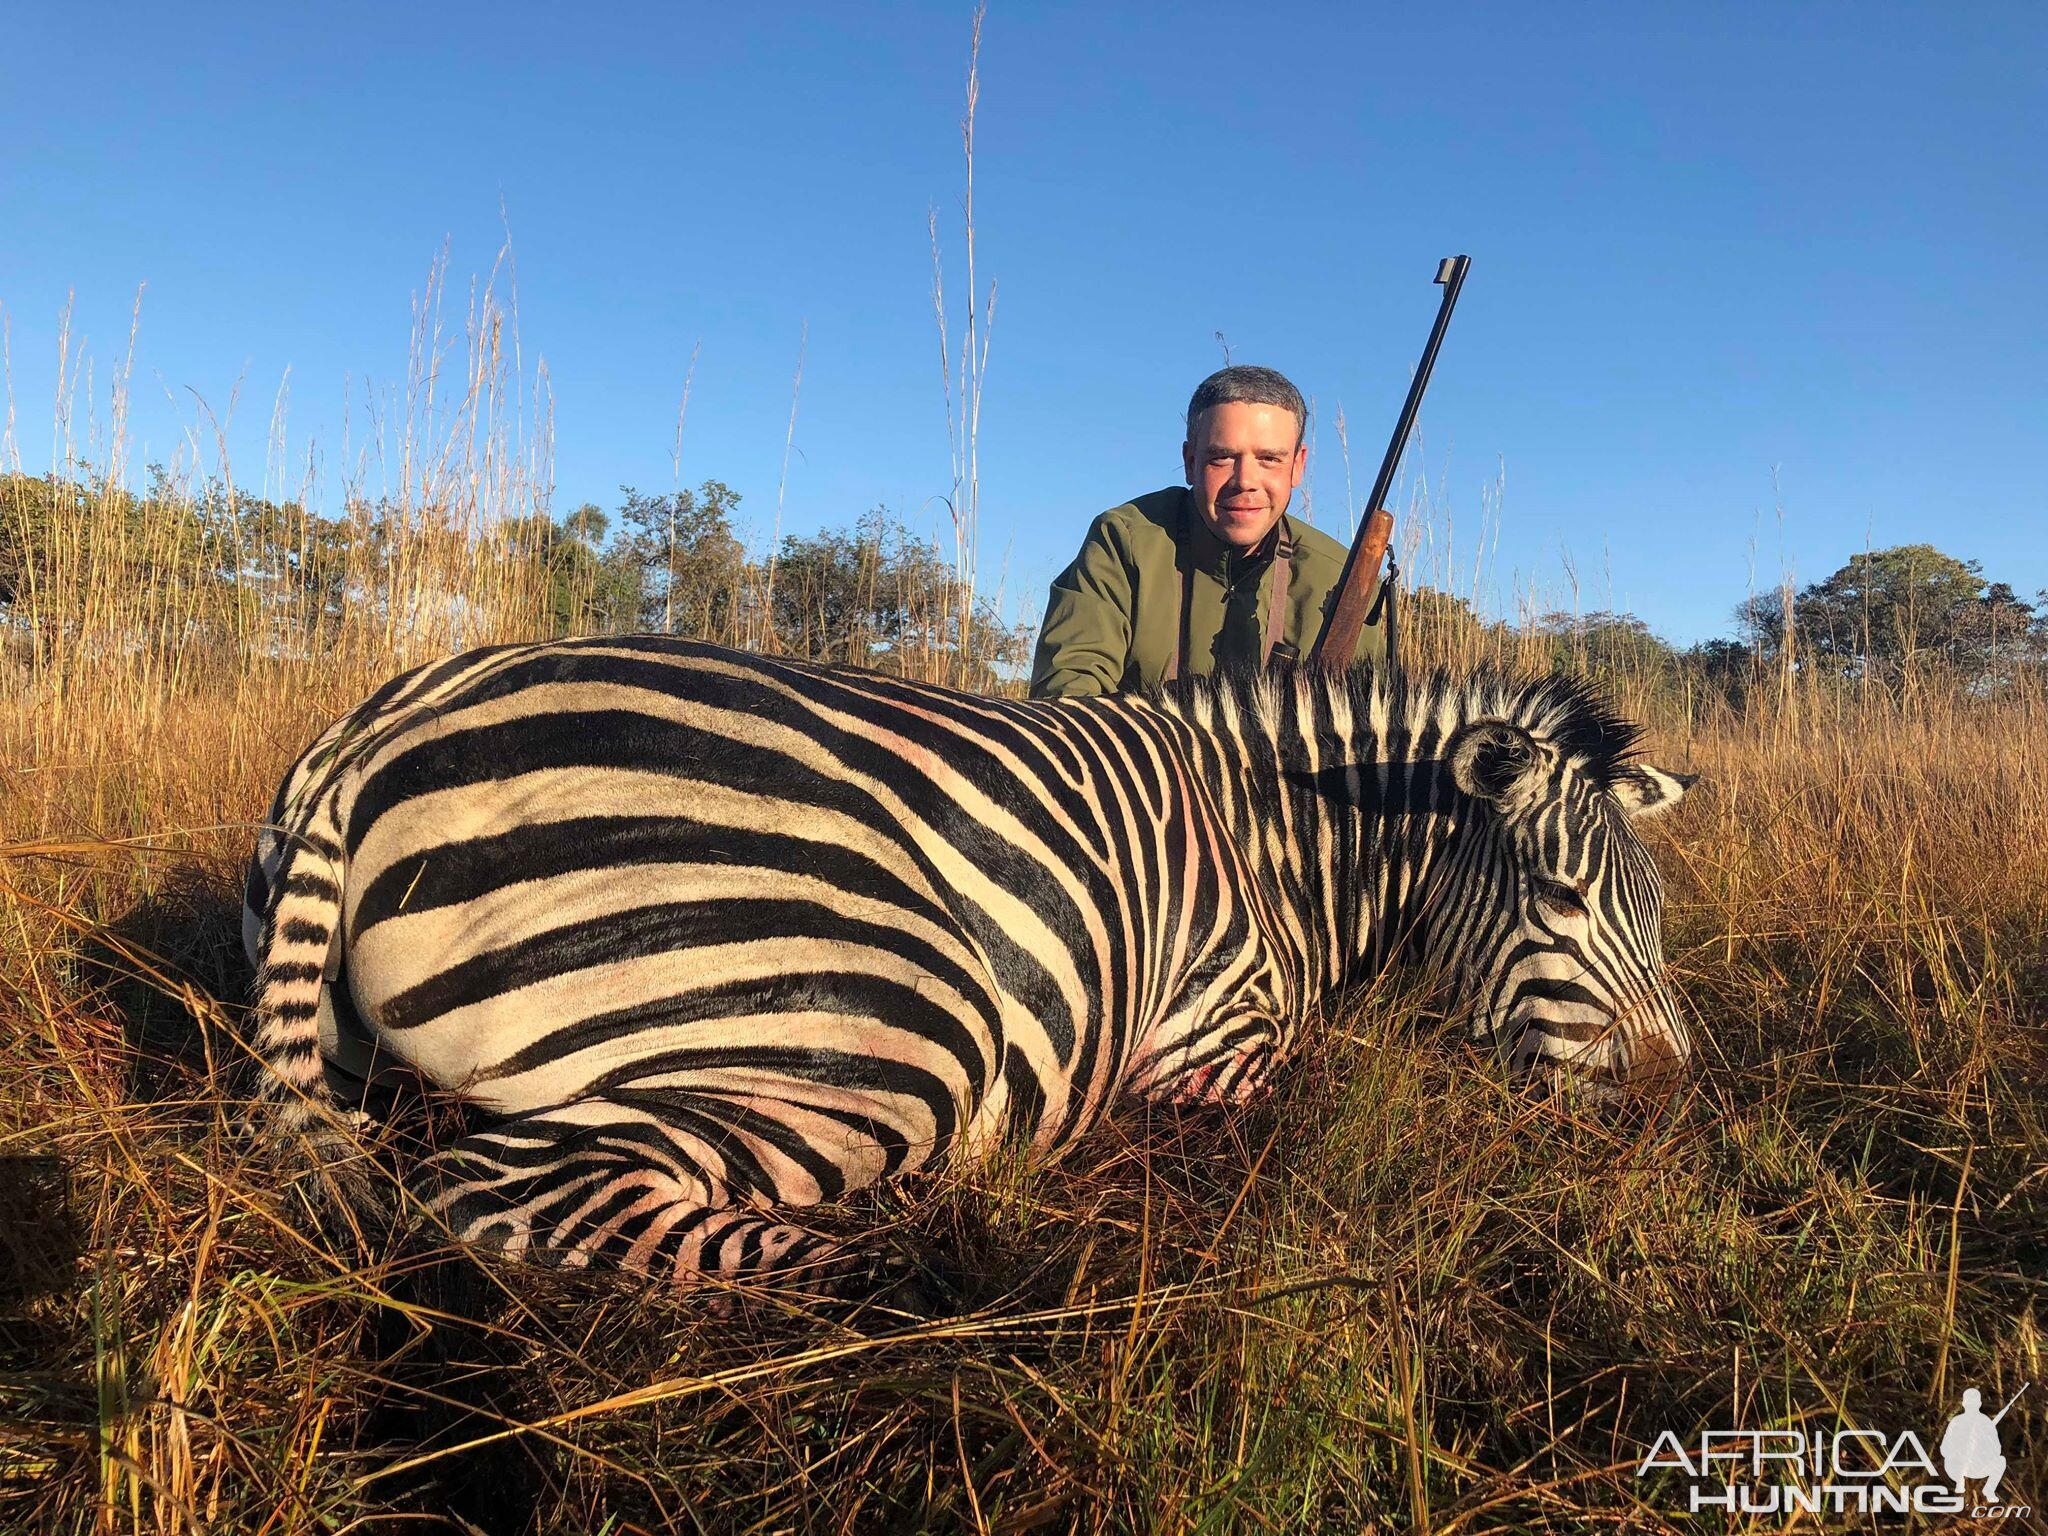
(710, 936)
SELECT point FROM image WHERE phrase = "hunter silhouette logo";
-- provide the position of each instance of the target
(1847, 1470)
(1970, 1448)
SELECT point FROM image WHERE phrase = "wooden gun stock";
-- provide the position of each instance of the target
(1360, 584)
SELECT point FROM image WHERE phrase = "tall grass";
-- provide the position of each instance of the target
(142, 618)
(1402, 1295)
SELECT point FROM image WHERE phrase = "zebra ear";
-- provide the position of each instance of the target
(1646, 791)
(1494, 760)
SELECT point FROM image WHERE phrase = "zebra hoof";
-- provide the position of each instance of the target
(899, 1289)
(922, 1297)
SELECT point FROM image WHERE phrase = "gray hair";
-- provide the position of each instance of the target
(1249, 386)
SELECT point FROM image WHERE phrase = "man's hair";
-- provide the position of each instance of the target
(1247, 385)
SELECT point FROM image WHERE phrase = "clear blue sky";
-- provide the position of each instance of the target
(1708, 241)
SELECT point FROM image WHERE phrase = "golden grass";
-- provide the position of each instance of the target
(1399, 1296)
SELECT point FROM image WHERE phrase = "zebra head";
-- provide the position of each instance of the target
(1554, 911)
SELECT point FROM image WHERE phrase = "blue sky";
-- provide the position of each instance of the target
(1711, 244)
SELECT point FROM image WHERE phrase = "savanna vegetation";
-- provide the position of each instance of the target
(1401, 1295)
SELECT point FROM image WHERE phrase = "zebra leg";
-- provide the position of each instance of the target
(595, 1180)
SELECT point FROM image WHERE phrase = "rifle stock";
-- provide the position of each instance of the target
(1338, 642)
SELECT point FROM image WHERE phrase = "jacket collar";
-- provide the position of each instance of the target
(1225, 561)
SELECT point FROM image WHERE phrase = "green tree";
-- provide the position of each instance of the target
(586, 594)
(880, 596)
(309, 566)
(678, 553)
(606, 587)
(1890, 610)
(1605, 642)
(1439, 627)
(587, 524)
(1724, 667)
(27, 522)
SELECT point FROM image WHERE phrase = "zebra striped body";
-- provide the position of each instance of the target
(710, 934)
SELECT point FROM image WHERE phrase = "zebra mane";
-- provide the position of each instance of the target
(1569, 711)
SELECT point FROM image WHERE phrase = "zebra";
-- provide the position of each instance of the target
(707, 937)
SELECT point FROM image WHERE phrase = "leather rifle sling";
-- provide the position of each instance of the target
(1283, 568)
(1187, 601)
(1184, 561)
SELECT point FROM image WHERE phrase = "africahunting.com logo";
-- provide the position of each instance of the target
(1846, 1471)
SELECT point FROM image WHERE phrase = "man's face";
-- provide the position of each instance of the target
(1243, 462)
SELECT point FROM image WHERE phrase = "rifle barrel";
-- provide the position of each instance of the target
(1339, 636)
(2013, 1399)
(1451, 273)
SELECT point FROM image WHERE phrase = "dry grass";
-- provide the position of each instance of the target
(1400, 1296)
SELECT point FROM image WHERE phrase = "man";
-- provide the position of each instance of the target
(1970, 1446)
(1186, 580)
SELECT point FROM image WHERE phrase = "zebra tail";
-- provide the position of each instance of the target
(298, 1107)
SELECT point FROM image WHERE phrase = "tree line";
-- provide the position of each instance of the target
(877, 594)
(1884, 617)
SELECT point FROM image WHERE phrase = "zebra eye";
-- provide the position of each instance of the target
(1564, 898)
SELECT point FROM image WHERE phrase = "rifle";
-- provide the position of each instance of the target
(1360, 584)
(2008, 1407)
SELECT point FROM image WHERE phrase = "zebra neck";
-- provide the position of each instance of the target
(1375, 820)
(1337, 811)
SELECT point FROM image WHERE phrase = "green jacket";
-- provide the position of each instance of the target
(1110, 620)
